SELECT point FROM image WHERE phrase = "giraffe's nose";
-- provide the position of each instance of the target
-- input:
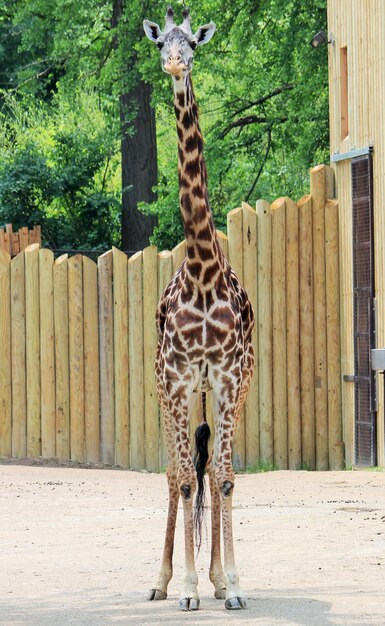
(174, 64)
(174, 59)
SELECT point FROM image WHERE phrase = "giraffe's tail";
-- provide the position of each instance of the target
(202, 436)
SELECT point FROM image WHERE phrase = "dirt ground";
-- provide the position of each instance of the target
(80, 546)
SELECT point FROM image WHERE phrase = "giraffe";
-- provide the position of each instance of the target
(204, 324)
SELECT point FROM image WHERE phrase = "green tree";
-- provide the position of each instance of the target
(263, 97)
(64, 44)
(262, 93)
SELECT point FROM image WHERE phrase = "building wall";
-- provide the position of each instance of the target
(360, 27)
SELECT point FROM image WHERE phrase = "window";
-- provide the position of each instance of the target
(344, 93)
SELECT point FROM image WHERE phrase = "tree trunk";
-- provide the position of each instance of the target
(139, 166)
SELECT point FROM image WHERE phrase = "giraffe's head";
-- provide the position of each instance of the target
(177, 43)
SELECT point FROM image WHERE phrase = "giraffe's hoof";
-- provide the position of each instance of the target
(234, 604)
(220, 594)
(189, 604)
(156, 594)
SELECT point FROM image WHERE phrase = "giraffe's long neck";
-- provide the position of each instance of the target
(204, 255)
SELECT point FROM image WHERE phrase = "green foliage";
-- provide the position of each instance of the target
(262, 92)
(56, 170)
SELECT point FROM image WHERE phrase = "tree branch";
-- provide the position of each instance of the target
(251, 119)
(263, 99)
(262, 165)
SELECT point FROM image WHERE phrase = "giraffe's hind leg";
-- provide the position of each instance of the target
(216, 571)
(226, 408)
(187, 482)
(159, 591)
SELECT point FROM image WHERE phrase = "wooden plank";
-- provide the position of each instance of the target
(333, 336)
(62, 390)
(223, 242)
(178, 256)
(5, 243)
(5, 360)
(47, 355)
(76, 356)
(32, 323)
(19, 397)
(15, 244)
(278, 278)
(135, 331)
(306, 334)
(251, 285)
(150, 302)
(9, 231)
(91, 361)
(317, 187)
(292, 316)
(121, 363)
(23, 238)
(164, 277)
(106, 351)
(235, 243)
(265, 352)
(37, 234)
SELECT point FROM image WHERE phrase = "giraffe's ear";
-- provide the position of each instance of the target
(204, 34)
(152, 30)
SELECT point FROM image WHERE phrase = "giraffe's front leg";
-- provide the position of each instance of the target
(189, 598)
(159, 591)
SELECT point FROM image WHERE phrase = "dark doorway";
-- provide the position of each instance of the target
(364, 313)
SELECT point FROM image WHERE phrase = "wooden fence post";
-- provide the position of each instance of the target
(317, 189)
(150, 302)
(106, 351)
(292, 316)
(265, 353)
(278, 279)
(76, 356)
(47, 351)
(306, 334)
(60, 304)
(135, 330)
(23, 238)
(91, 361)
(19, 397)
(250, 283)
(121, 361)
(333, 336)
(5, 360)
(32, 321)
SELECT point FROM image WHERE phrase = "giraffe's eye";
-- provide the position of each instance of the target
(160, 45)
(193, 45)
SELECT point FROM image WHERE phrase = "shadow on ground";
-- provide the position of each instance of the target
(268, 609)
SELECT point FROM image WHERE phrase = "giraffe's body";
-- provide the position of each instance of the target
(204, 323)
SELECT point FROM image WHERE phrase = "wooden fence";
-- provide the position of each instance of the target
(78, 341)
(15, 242)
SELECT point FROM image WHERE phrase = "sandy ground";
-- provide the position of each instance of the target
(81, 546)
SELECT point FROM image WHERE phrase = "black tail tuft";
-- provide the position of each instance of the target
(202, 436)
